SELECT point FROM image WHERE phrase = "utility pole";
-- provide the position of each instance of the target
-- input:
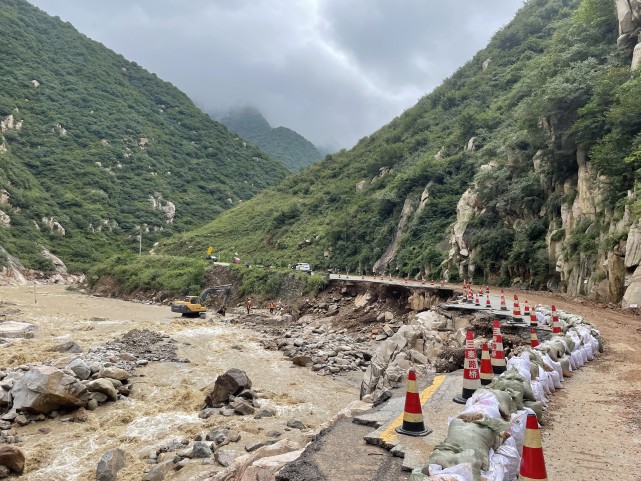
(140, 243)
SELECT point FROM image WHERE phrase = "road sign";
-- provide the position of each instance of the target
(210, 249)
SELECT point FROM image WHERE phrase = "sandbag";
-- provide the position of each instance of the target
(537, 407)
(565, 367)
(517, 428)
(506, 403)
(461, 472)
(483, 401)
(513, 378)
(522, 366)
(446, 455)
(539, 393)
(511, 458)
(477, 435)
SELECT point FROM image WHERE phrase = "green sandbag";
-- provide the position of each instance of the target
(513, 388)
(515, 379)
(565, 341)
(537, 407)
(477, 435)
(506, 403)
(565, 367)
(450, 454)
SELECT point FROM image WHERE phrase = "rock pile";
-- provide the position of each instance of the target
(143, 345)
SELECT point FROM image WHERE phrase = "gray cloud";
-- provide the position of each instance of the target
(334, 70)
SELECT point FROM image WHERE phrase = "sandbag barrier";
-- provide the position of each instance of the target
(485, 441)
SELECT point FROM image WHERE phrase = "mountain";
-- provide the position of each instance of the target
(95, 149)
(521, 168)
(281, 143)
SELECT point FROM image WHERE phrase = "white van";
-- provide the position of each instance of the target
(303, 266)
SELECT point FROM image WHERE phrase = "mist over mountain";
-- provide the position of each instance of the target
(281, 143)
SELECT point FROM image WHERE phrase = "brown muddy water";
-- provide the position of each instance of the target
(165, 402)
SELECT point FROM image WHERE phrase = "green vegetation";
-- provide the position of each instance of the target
(270, 283)
(281, 143)
(173, 275)
(95, 138)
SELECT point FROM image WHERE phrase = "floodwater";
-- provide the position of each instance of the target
(166, 397)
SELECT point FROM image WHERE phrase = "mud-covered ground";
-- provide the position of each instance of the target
(166, 396)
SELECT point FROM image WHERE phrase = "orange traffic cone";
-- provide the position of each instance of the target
(534, 341)
(412, 415)
(503, 305)
(556, 325)
(471, 378)
(486, 366)
(517, 309)
(498, 355)
(532, 462)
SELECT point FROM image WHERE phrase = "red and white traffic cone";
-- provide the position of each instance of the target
(526, 309)
(487, 289)
(471, 378)
(533, 321)
(442, 283)
(498, 355)
(470, 296)
(487, 374)
(532, 461)
(476, 301)
(481, 292)
(503, 304)
(413, 424)
(488, 304)
(556, 325)
(432, 283)
(517, 309)
(534, 341)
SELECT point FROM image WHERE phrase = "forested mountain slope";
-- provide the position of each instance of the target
(522, 167)
(281, 143)
(94, 149)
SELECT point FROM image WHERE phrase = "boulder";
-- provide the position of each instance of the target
(159, 471)
(109, 465)
(295, 424)
(225, 457)
(229, 384)
(44, 389)
(266, 468)
(114, 373)
(68, 346)
(201, 450)
(242, 407)
(103, 386)
(80, 369)
(302, 361)
(12, 458)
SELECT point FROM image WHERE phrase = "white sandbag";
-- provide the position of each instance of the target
(556, 379)
(552, 364)
(511, 459)
(583, 355)
(496, 472)
(488, 410)
(517, 430)
(587, 349)
(521, 365)
(578, 359)
(546, 382)
(460, 472)
(539, 393)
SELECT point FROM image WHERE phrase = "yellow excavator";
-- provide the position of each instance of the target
(192, 306)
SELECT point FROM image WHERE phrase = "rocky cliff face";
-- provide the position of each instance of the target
(592, 250)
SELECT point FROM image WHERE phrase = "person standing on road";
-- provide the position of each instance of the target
(248, 305)
(271, 307)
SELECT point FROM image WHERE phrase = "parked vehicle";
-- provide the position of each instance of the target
(303, 267)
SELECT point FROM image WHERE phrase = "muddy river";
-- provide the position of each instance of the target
(166, 397)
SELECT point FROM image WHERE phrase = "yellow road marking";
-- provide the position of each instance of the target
(389, 435)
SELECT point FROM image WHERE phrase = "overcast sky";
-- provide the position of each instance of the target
(333, 70)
